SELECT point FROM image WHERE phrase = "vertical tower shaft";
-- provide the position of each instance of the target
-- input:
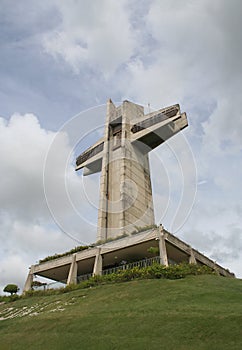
(125, 186)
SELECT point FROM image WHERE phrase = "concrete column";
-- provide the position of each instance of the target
(192, 259)
(162, 247)
(215, 267)
(29, 280)
(72, 276)
(97, 269)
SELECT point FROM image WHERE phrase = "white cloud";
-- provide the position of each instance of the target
(174, 181)
(24, 149)
(194, 55)
(96, 34)
(23, 146)
(13, 270)
(222, 129)
(24, 244)
(26, 226)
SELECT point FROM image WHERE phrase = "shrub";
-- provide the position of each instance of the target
(72, 251)
(142, 229)
(154, 271)
(150, 272)
(153, 250)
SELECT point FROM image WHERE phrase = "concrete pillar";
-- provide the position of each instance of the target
(192, 259)
(162, 247)
(72, 276)
(29, 280)
(215, 267)
(98, 264)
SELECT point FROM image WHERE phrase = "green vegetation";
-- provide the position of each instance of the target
(155, 271)
(11, 288)
(139, 229)
(196, 312)
(9, 298)
(153, 250)
(150, 272)
(72, 251)
(38, 284)
(80, 248)
(123, 235)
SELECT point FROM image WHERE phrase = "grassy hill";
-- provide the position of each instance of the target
(197, 312)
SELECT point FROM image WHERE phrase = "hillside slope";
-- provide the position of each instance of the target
(198, 312)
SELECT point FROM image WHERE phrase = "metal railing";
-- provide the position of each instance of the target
(140, 263)
(124, 266)
(155, 119)
(91, 152)
(85, 277)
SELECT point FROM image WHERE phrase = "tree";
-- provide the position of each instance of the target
(11, 288)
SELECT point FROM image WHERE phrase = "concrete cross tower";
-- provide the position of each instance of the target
(122, 157)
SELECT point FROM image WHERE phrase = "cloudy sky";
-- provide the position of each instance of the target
(59, 63)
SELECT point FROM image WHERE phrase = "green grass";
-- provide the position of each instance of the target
(197, 312)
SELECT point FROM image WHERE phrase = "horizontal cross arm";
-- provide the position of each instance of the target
(91, 158)
(158, 127)
(155, 118)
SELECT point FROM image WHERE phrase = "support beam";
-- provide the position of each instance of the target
(215, 267)
(192, 259)
(162, 247)
(72, 276)
(97, 269)
(29, 280)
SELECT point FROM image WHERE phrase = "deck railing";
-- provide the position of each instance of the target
(123, 266)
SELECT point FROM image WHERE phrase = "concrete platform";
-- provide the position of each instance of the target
(132, 248)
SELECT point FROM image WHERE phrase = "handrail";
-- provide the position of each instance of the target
(140, 264)
(124, 266)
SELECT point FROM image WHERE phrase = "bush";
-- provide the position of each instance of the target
(150, 272)
(153, 250)
(9, 298)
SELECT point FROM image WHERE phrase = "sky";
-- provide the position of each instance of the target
(60, 62)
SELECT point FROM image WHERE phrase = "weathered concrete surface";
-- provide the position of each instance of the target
(122, 157)
(135, 247)
(97, 269)
(125, 188)
(162, 247)
(29, 280)
(72, 276)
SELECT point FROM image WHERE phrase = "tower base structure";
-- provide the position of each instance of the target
(132, 250)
